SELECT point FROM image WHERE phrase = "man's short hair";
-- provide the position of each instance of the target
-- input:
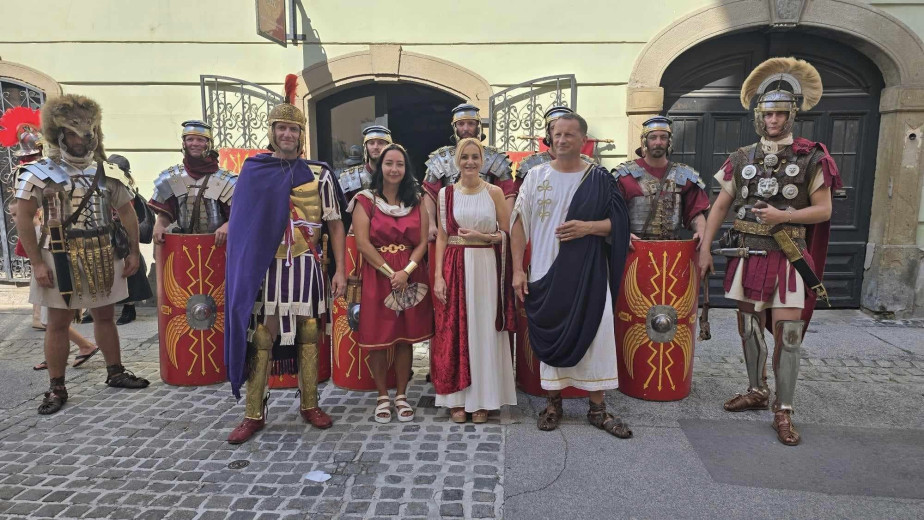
(573, 117)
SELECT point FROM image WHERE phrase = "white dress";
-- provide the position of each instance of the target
(489, 350)
(542, 206)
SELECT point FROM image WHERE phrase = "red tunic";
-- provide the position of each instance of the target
(379, 326)
(693, 198)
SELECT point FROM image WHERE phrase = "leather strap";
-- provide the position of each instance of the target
(194, 219)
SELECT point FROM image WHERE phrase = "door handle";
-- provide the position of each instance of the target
(840, 193)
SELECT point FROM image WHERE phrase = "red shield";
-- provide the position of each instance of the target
(191, 310)
(656, 320)
(351, 363)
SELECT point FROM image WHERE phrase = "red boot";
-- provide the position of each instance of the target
(246, 430)
(317, 418)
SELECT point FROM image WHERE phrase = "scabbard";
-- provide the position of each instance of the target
(58, 248)
(794, 255)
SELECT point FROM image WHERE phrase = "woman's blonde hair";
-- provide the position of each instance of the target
(461, 146)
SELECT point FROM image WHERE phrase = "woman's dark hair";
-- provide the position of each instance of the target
(408, 190)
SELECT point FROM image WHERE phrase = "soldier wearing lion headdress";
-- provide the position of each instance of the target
(75, 261)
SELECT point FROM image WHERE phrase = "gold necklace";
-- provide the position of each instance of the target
(471, 191)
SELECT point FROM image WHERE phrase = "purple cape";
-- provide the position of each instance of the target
(565, 306)
(259, 215)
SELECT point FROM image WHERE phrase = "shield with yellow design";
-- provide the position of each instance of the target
(352, 369)
(191, 310)
(656, 320)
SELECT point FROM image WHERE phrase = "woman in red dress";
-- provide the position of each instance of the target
(395, 307)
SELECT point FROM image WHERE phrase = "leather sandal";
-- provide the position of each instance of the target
(550, 418)
(382, 413)
(480, 416)
(785, 429)
(458, 415)
(54, 400)
(752, 400)
(121, 378)
(598, 417)
(405, 412)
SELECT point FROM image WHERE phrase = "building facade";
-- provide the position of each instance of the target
(152, 65)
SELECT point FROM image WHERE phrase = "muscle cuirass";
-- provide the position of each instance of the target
(781, 180)
(305, 205)
(215, 189)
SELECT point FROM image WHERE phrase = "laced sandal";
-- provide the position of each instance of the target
(598, 416)
(480, 417)
(54, 400)
(382, 413)
(785, 429)
(121, 378)
(752, 400)
(405, 412)
(550, 418)
(458, 415)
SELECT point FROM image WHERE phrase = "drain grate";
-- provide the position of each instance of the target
(238, 464)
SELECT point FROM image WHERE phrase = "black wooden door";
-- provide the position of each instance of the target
(701, 89)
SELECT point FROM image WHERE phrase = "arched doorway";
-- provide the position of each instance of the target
(701, 90)
(417, 115)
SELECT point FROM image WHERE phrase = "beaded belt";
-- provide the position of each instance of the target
(753, 228)
(456, 240)
(392, 248)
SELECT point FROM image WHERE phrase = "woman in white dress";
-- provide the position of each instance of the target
(470, 354)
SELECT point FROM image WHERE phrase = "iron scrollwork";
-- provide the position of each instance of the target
(517, 112)
(237, 111)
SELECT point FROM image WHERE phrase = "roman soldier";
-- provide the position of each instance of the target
(546, 156)
(195, 195)
(277, 288)
(663, 196)
(354, 179)
(22, 126)
(780, 192)
(442, 170)
(81, 258)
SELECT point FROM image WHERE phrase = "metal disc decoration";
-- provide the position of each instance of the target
(656, 320)
(792, 170)
(742, 212)
(771, 160)
(191, 310)
(749, 171)
(790, 191)
(744, 192)
(768, 187)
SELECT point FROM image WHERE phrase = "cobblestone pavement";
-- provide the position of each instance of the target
(161, 452)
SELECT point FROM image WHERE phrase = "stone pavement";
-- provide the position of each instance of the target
(161, 452)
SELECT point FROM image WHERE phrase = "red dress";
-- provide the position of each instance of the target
(379, 326)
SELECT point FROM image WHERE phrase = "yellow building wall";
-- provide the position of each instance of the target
(142, 59)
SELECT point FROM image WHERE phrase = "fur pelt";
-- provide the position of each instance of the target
(808, 78)
(75, 112)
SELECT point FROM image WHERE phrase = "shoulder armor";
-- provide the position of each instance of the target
(684, 173)
(531, 161)
(43, 170)
(496, 163)
(351, 178)
(112, 171)
(317, 167)
(629, 168)
(440, 163)
(220, 186)
(162, 187)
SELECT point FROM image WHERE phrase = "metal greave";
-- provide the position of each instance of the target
(755, 351)
(259, 373)
(306, 341)
(786, 354)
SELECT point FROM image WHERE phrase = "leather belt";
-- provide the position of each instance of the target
(456, 240)
(393, 248)
(89, 233)
(754, 228)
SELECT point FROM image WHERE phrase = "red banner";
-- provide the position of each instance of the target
(232, 159)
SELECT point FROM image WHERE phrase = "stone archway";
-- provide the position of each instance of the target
(39, 80)
(386, 64)
(895, 272)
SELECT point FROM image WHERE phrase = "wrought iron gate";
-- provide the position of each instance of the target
(13, 94)
(237, 111)
(516, 113)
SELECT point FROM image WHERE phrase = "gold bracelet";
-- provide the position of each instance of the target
(409, 268)
(386, 270)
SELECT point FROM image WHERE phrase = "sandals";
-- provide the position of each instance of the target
(83, 358)
(55, 397)
(598, 417)
(550, 419)
(480, 416)
(785, 429)
(41, 366)
(458, 415)
(121, 378)
(382, 413)
(405, 412)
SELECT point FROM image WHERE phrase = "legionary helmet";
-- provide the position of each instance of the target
(464, 112)
(779, 83)
(655, 124)
(550, 116)
(22, 126)
(199, 128)
(375, 132)
(286, 113)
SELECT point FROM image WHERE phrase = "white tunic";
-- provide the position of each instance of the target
(542, 206)
(489, 350)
